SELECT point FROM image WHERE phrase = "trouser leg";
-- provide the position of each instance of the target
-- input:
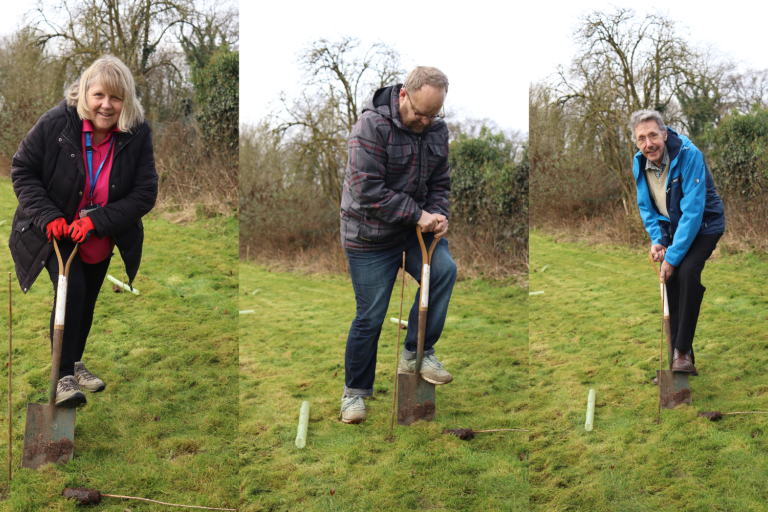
(441, 280)
(373, 277)
(94, 275)
(686, 292)
(83, 286)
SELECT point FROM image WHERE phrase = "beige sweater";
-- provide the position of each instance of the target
(656, 186)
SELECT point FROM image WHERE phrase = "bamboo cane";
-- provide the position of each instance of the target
(397, 352)
(10, 351)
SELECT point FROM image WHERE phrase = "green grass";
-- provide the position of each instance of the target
(292, 349)
(165, 426)
(597, 325)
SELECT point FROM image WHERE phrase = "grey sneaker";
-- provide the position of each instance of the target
(87, 380)
(352, 409)
(68, 393)
(431, 369)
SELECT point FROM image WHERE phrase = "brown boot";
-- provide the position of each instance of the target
(682, 363)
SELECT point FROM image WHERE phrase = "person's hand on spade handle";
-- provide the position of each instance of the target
(57, 228)
(666, 271)
(80, 230)
(442, 229)
(429, 221)
(658, 251)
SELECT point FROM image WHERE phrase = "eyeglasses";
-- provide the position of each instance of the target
(441, 115)
(652, 137)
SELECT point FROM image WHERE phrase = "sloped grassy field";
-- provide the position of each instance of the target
(597, 325)
(292, 349)
(165, 426)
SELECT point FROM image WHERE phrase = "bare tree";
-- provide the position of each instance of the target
(132, 30)
(749, 89)
(338, 77)
(624, 64)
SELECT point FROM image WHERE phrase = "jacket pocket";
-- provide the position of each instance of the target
(399, 158)
(27, 241)
(369, 229)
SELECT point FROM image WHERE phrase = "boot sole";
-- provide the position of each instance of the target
(75, 400)
(353, 421)
(100, 388)
(435, 382)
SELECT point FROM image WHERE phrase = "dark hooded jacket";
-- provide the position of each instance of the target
(48, 174)
(392, 175)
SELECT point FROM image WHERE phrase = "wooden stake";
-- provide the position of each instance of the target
(247, 252)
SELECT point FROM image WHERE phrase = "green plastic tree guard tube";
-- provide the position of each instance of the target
(301, 437)
(590, 410)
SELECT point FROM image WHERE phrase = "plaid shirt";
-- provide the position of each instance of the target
(392, 175)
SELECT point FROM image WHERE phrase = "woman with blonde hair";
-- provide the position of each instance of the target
(84, 174)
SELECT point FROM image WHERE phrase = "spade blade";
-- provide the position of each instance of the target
(675, 389)
(49, 435)
(415, 399)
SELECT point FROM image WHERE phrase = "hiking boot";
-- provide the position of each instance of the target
(68, 393)
(87, 380)
(431, 370)
(352, 409)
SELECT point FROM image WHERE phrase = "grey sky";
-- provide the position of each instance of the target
(477, 44)
(736, 28)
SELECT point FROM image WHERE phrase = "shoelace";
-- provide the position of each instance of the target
(86, 374)
(352, 403)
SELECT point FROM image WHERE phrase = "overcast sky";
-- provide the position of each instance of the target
(736, 28)
(479, 45)
(491, 51)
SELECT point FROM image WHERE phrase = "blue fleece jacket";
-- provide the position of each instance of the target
(693, 204)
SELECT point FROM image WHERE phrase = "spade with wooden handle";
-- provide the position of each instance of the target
(674, 388)
(415, 396)
(49, 434)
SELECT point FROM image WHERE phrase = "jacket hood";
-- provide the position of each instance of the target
(386, 102)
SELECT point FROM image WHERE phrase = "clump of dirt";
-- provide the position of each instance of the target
(83, 495)
(676, 398)
(465, 434)
(51, 449)
(418, 411)
(713, 416)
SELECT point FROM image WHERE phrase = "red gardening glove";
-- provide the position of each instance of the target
(80, 230)
(58, 228)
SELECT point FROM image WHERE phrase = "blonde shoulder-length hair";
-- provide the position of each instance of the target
(118, 81)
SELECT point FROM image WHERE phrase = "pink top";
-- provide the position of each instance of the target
(96, 249)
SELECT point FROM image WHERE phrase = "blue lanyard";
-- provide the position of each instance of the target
(89, 150)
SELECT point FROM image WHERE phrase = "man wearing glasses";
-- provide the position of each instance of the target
(397, 177)
(684, 217)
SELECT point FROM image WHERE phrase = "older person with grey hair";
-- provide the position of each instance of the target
(684, 217)
(397, 178)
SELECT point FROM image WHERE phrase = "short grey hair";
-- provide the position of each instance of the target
(641, 116)
(425, 75)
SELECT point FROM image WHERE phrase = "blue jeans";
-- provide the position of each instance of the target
(373, 277)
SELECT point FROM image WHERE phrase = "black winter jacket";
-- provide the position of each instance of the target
(48, 175)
